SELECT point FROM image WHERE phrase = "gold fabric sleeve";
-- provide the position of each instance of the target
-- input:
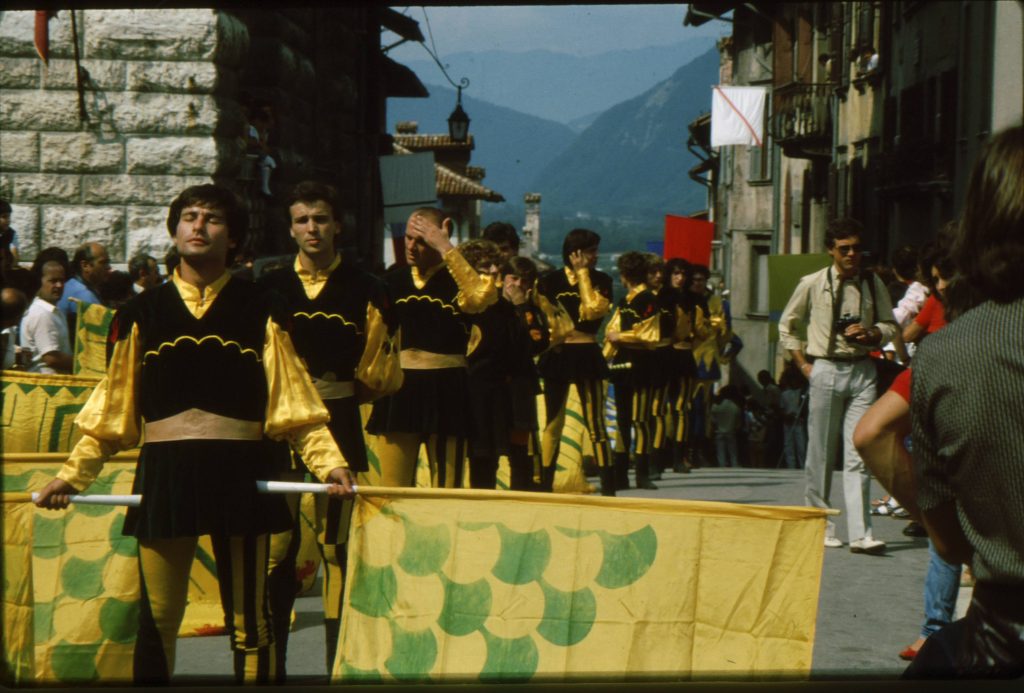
(560, 323)
(109, 420)
(707, 333)
(609, 349)
(476, 291)
(643, 332)
(295, 411)
(593, 304)
(379, 368)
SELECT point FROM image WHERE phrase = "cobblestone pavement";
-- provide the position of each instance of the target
(870, 607)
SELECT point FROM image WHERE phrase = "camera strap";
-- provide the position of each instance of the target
(837, 304)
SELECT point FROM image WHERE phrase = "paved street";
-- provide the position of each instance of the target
(870, 606)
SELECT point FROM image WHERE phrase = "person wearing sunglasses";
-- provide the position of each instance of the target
(848, 313)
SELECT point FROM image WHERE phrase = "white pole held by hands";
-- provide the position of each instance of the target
(99, 499)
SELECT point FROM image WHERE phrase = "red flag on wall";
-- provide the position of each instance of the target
(42, 34)
(689, 239)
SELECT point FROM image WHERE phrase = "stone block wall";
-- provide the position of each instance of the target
(160, 116)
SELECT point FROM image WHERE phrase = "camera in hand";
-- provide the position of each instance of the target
(845, 321)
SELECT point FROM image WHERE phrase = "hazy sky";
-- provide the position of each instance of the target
(574, 29)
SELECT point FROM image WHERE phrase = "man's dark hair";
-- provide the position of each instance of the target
(310, 191)
(5, 206)
(480, 251)
(764, 377)
(701, 270)
(51, 254)
(988, 247)
(838, 229)
(522, 267)
(633, 267)
(83, 253)
(138, 264)
(904, 261)
(117, 289)
(14, 302)
(654, 262)
(677, 264)
(501, 232)
(171, 260)
(210, 195)
(578, 239)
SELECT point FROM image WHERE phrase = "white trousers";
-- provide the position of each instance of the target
(840, 393)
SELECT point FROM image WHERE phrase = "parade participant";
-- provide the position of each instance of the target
(684, 368)
(202, 363)
(847, 313)
(632, 337)
(145, 273)
(518, 280)
(665, 374)
(585, 294)
(711, 331)
(497, 345)
(433, 297)
(344, 330)
(504, 236)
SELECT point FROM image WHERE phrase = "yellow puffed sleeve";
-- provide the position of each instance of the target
(610, 348)
(379, 368)
(109, 421)
(593, 304)
(476, 291)
(560, 323)
(643, 332)
(295, 411)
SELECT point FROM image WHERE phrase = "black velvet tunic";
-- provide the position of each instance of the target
(574, 362)
(329, 333)
(213, 363)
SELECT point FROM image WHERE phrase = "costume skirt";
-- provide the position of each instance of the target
(195, 487)
(573, 362)
(685, 366)
(643, 371)
(430, 401)
(491, 408)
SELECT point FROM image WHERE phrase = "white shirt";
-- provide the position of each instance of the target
(44, 329)
(910, 305)
(811, 304)
(12, 342)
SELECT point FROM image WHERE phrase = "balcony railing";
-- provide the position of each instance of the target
(801, 120)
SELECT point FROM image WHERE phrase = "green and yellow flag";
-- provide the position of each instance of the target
(477, 586)
(17, 667)
(84, 585)
(91, 338)
(39, 410)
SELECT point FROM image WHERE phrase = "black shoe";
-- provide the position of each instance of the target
(643, 479)
(620, 462)
(607, 475)
(913, 529)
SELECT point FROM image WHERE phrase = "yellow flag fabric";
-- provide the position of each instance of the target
(569, 477)
(39, 410)
(17, 668)
(478, 586)
(84, 578)
(91, 338)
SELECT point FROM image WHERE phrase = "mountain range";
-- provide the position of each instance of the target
(625, 168)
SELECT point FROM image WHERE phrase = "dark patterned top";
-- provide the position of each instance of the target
(555, 287)
(967, 405)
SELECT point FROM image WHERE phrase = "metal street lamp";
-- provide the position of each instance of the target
(458, 121)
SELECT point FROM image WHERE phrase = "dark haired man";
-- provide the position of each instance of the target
(44, 331)
(434, 294)
(344, 330)
(144, 271)
(586, 295)
(91, 264)
(202, 367)
(848, 314)
(504, 236)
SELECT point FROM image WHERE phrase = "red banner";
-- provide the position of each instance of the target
(689, 239)
(41, 36)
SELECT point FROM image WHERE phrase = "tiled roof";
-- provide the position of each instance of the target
(420, 142)
(452, 184)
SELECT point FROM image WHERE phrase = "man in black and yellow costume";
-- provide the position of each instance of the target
(343, 327)
(711, 331)
(586, 295)
(632, 337)
(433, 296)
(202, 368)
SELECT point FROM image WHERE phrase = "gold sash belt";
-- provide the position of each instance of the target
(419, 360)
(196, 424)
(334, 389)
(577, 337)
